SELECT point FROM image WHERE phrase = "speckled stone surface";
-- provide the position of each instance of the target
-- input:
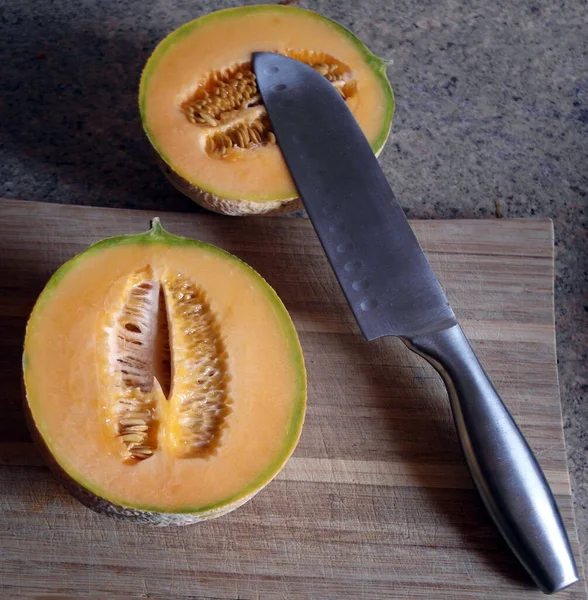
(492, 109)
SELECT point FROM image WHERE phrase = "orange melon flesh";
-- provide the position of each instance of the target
(228, 38)
(65, 366)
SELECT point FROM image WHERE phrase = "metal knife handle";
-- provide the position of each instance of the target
(504, 469)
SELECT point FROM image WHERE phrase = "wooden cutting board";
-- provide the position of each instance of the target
(376, 502)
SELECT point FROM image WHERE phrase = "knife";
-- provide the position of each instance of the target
(392, 290)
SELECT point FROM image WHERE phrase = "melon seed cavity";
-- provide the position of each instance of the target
(227, 103)
(165, 330)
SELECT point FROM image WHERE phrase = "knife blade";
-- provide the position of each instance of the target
(392, 290)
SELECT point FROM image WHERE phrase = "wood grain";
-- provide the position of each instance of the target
(375, 503)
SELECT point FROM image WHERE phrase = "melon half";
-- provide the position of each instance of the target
(203, 114)
(164, 378)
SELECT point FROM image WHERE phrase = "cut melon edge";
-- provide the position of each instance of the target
(99, 500)
(240, 205)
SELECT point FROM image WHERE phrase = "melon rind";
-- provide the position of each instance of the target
(227, 206)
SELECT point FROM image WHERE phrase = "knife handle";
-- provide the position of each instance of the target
(502, 465)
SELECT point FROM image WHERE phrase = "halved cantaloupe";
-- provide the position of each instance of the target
(164, 378)
(202, 112)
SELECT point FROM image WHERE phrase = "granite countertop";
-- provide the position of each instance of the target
(492, 117)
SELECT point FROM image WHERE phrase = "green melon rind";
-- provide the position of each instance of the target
(92, 495)
(377, 64)
(226, 206)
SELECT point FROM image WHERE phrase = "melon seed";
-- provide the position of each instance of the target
(141, 452)
(132, 422)
(136, 429)
(212, 122)
(131, 437)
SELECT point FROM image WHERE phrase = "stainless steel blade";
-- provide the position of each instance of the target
(378, 261)
(393, 291)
